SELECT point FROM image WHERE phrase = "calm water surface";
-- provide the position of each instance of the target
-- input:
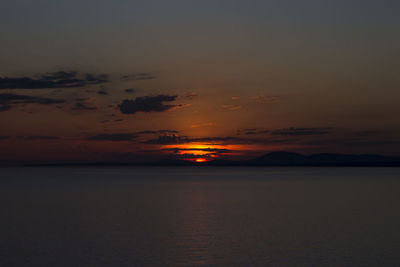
(199, 216)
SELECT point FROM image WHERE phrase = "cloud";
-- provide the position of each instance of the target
(273, 141)
(96, 79)
(113, 137)
(265, 99)
(189, 153)
(82, 106)
(158, 132)
(139, 76)
(176, 139)
(147, 104)
(206, 124)
(41, 137)
(231, 107)
(215, 139)
(166, 140)
(102, 92)
(59, 75)
(255, 131)
(238, 140)
(190, 96)
(82, 99)
(129, 90)
(7, 101)
(6, 98)
(190, 156)
(4, 107)
(60, 79)
(303, 131)
(216, 150)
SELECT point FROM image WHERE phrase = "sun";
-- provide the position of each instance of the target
(200, 160)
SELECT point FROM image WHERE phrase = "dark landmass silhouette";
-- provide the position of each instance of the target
(280, 158)
(324, 159)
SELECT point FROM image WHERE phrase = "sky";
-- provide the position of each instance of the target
(85, 81)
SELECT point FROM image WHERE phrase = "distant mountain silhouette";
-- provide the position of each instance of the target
(283, 158)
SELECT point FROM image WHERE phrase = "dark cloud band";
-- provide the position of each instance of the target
(60, 79)
(303, 131)
(7, 101)
(113, 137)
(147, 104)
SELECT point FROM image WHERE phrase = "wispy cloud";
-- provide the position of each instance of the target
(113, 137)
(265, 99)
(166, 140)
(82, 106)
(190, 96)
(7, 101)
(59, 79)
(303, 131)
(231, 107)
(102, 92)
(219, 150)
(41, 137)
(205, 124)
(139, 76)
(158, 132)
(256, 131)
(147, 104)
(130, 90)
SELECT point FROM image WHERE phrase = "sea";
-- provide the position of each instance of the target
(199, 216)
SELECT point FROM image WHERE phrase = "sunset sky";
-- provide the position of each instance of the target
(136, 81)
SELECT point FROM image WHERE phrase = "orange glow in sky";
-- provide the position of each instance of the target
(201, 152)
(201, 148)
